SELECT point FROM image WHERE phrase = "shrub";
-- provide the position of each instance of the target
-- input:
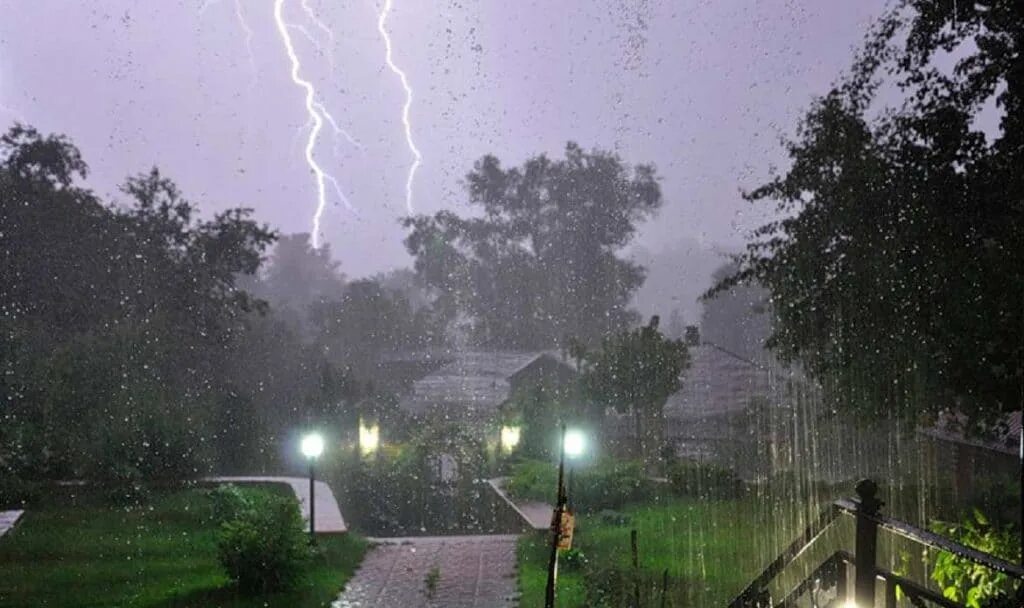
(965, 581)
(263, 547)
(609, 484)
(15, 492)
(573, 560)
(703, 480)
(228, 502)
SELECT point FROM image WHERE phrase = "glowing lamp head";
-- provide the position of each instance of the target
(312, 445)
(369, 438)
(574, 443)
(509, 437)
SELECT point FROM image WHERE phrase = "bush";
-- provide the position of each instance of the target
(262, 547)
(968, 582)
(573, 560)
(703, 480)
(609, 484)
(228, 502)
(15, 492)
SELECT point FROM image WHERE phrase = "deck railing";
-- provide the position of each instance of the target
(840, 567)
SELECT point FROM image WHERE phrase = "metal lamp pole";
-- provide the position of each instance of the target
(556, 527)
(312, 503)
(312, 446)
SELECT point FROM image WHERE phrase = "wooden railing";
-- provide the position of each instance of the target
(839, 568)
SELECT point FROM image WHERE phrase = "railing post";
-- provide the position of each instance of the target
(890, 594)
(842, 580)
(866, 543)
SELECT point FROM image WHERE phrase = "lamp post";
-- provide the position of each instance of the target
(571, 444)
(312, 446)
(575, 444)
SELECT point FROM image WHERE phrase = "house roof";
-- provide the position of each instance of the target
(717, 382)
(1004, 437)
(477, 380)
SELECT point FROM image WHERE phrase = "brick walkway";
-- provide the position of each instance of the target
(475, 571)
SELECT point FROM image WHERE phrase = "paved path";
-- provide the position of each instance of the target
(537, 514)
(8, 519)
(328, 515)
(474, 571)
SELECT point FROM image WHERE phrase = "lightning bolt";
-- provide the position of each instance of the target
(417, 157)
(318, 116)
(320, 25)
(312, 109)
(243, 24)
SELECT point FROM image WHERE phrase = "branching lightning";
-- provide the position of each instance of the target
(318, 119)
(243, 24)
(315, 115)
(417, 157)
(320, 25)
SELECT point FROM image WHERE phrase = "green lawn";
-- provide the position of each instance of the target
(79, 551)
(711, 550)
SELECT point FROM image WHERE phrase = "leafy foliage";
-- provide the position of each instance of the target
(263, 546)
(636, 371)
(896, 269)
(966, 581)
(124, 329)
(540, 262)
(609, 484)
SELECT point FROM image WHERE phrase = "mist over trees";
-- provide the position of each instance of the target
(897, 270)
(297, 277)
(540, 262)
(738, 318)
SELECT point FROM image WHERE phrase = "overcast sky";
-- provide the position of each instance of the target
(704, 90)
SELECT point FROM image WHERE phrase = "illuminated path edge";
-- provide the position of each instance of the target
(328, 515)
(8, 519)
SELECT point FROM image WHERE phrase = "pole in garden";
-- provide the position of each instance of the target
(312, 504)
(312, 446)
(636, 567)
(556, 526)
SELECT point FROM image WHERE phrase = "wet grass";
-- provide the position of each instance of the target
(532, 552)
(709, 548)
(78, 550)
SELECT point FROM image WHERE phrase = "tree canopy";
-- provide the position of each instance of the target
(538, 260)
(128, 347)
(897, 270)
(635, 372)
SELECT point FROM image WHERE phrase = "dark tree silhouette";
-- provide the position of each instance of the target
(540, 262)
(897, 273)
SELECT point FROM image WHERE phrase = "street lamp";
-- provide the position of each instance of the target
(575, 443)
(369, 437)
(312, 446)
(572, 444)
(509, 438)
